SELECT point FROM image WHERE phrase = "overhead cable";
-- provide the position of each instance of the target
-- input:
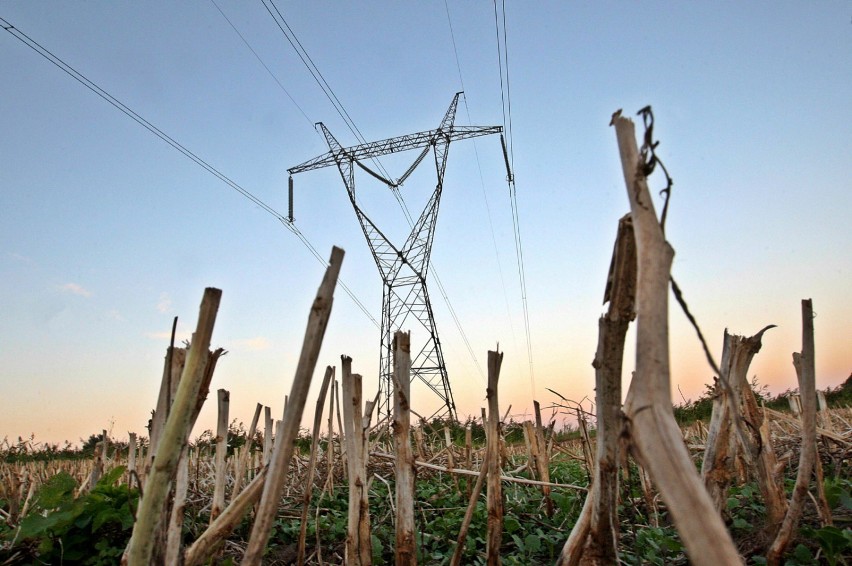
(482, 183)
(505, 96)
(291, 37)
(268, 70)
(79, 77)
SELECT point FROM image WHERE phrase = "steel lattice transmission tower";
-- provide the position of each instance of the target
(403, 268)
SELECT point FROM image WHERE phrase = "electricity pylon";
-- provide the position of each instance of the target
(403, 269)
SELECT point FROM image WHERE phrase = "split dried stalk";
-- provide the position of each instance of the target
(594, 537)
(451, 463)
(734, 405)
(175, 435)
(405, 551)
(358, 542)
(221, 471)
(543, 459)
(168, 385)
(805, 371)
(267, 435)
(98, 464)
(656, 438)
(312, 465)
(283, 453)
(224, 525)
(242, 462)
(174, 536)
(471, 507)
(330, 449)
(494, 534)
(131, 458)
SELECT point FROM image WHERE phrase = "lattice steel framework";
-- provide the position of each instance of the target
(403, 269)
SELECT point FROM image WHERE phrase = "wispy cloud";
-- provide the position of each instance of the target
(255, 344)
(165, 303)
(75, 289)
(20, 258)
(115, 315)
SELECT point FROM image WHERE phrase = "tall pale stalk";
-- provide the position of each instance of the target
(175, 435)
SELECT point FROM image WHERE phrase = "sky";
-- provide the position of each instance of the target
(107, 232)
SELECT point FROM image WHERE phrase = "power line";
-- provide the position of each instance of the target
(291, 37)
(508, 89)
(482, 183)
(341, 111)
(455, 51)
(292, 227)
(434, 272)
(268, 70)
(505, 96)
(82, 79)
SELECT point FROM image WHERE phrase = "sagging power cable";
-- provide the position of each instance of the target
(506, 99)
(130, 113)
(306, 59)
(384, 177)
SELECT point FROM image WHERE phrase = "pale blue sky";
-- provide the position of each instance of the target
(106, 232)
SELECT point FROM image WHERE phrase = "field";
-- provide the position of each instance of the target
(49, 515)
(732, 478)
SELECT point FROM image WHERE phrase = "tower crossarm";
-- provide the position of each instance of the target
(403, 269)
(394, 145)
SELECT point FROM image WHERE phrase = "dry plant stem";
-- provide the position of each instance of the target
(468, 454)
(330, 450)
(650, 498)
(448, 442)
(405, 551)
(471, 507)
(798, 424)
(656, 438)
(494, 534)
(317, 322)
(98, 464)
(175, 434)
(572, 552)
(461, 472)
(760, 443)
(174, 536)
(723, 448)
(242, 463)
(587, 442)
(824, 411)
(532, 449)
(543, 460)
(267, 435)
(358, 542)
(599, 518)
(158, 418)
(823, 507)
(340, 427)
(312, 465)
(717, 463)
(221, 471)
(418, 439)
(172, 370)
(223, 526)
(131, 458)
(171, 518)
(804, 363)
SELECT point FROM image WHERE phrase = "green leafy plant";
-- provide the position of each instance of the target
(835, 543)
(91, 529)
(655, 545)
